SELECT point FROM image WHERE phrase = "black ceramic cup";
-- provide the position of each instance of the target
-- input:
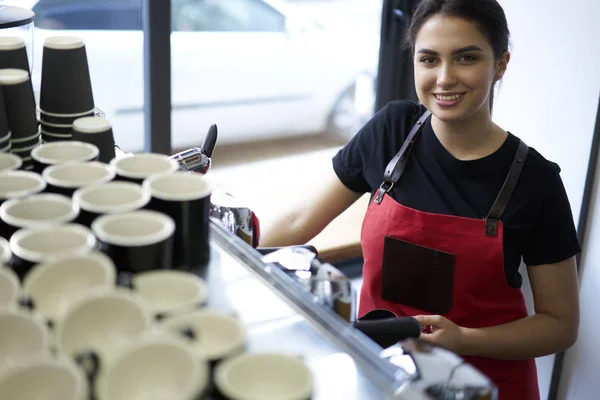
(68, 177)
(14, 184)
(19, 103)
(40, 210)
(32, 246)
(61, 152)
(137, 167)
(184, 197)
(97, 131)
(66, 88)
(13, 53)
(136, 241)
(109, 198)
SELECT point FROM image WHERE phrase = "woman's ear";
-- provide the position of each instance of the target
(501, 66)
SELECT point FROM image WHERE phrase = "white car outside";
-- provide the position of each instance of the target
(253, 68)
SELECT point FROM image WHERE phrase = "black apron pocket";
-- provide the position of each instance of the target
(417, 276)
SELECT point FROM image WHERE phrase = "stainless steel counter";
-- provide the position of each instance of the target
(278, 316)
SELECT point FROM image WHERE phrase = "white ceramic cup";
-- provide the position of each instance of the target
(109, 198)
(5, 253)
(157, 367)
(39, 210)
(214, 336)
(36, 245)
(20, 184)
(273, 376)
(9, 288)
(169, 291)
(42, 378)
(10, 161)
(22, 335)
(137, 167)
(102, 321)
(75, 175)
(53, 285)
(61, 152)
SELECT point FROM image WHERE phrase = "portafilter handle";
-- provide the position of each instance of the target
(198, 159)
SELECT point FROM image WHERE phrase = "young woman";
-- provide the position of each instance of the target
(457, 203)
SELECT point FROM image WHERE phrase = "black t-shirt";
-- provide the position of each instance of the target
(538, 222)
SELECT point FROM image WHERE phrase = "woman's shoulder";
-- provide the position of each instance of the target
(544, 172)
(404, 111)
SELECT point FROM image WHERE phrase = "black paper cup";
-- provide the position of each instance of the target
(4, 130)
(19, 102)
(26, 142)
(32, 246)
(23, 152)
(14, 184)
(62, 120)
(13, 53)
(184, 197)
(68, 177)
(137, 167)
(40, 210)
(97, 131)
(6, 147)
(56, 129)
(10, 162)
(136, 241)
(263, 375)
(61, 152)
(5, 140)
(109, 198)
(66, 88)
(51, 138)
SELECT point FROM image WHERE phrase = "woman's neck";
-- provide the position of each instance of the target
(470, 139)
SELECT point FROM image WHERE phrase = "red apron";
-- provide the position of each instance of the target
(447, 265)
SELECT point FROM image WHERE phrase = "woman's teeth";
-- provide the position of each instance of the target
(448, 98)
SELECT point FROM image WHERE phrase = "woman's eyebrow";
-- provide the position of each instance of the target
(457, 51)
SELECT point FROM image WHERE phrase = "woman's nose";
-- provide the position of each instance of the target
(446, 76)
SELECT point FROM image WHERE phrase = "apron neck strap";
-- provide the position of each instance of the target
(395, 168)
(491, 221)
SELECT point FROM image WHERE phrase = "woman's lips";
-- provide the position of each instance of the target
(448, 100)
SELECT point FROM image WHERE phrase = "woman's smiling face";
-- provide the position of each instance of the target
(455, 68)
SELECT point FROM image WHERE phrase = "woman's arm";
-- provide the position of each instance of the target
(551, 329)
(311, 214)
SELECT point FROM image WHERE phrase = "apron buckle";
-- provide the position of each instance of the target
(382, 191)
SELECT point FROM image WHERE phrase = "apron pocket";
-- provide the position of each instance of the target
(417, 276)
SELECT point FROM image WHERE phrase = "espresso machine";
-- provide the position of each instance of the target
(331, 289)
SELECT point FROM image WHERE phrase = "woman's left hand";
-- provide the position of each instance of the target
(440, 331)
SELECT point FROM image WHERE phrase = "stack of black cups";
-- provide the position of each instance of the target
(19, 107)
(18, 122)
(66, 88)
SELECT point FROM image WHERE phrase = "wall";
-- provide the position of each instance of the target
(549, 98)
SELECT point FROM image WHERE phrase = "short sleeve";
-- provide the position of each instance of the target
(554, 237)
(351, 162)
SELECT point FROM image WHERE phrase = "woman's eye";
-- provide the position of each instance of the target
(467, 58)
(427, 60)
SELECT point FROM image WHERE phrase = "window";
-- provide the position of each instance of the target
(89, 14)
(226, 16)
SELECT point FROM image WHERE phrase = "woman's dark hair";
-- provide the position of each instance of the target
(488, 15)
